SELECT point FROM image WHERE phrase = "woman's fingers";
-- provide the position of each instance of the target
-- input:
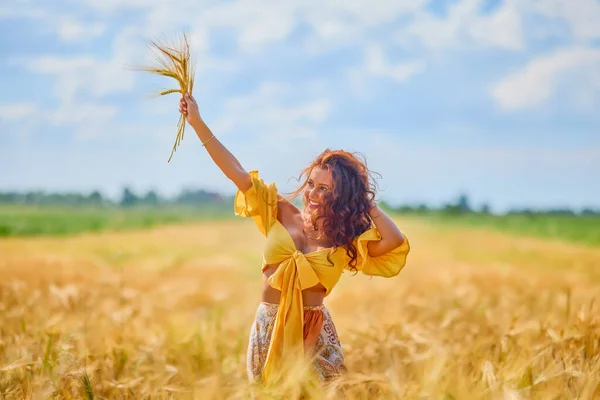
(188, 97)
(185, 103)
(182, 106)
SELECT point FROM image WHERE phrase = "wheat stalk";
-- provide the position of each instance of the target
(174, 61)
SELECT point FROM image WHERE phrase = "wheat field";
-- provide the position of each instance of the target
(165, 314)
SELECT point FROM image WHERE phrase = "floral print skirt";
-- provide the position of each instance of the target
(321, 341)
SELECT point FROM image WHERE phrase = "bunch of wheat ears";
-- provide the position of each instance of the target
(174, 61)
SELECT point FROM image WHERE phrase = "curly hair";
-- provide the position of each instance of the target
(345, 211)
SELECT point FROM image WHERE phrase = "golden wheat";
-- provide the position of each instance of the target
(165, 314)
(174, 61)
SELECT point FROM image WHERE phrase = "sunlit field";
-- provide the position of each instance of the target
(164, 313)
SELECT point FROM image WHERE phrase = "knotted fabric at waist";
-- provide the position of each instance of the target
(294, 274)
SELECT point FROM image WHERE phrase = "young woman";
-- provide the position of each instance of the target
(340, 228)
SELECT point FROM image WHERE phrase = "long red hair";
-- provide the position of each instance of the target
(345, 211)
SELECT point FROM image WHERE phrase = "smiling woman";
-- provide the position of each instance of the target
(306, 251)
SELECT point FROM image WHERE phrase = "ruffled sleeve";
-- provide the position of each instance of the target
(386, 265)
(259, 202)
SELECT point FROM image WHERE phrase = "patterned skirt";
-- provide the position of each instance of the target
(321, 341)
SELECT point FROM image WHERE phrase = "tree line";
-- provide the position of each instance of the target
(128, 198)
(462, 205)
(201, 197)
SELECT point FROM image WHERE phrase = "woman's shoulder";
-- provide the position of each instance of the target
(287, 207)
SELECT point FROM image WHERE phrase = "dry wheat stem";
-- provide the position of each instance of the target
(174, 61)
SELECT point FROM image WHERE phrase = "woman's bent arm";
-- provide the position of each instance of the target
(226, 161)
(391, 236)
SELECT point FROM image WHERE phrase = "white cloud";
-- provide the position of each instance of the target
(465, 26)
(77, 75)
(273, 110)
(47, 18)
(350, 22)
(581, 16)
(540, 78)
(81, 114)
(82, 82)
(258, 23)
(72, 30)
(56, 65)
(16, 10)
(255, 24)
(17, 111)
(91, 119)
(502, 29)
(377, 64)
(112, 6)
(365, 12)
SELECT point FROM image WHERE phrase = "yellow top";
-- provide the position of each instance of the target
(298, 271)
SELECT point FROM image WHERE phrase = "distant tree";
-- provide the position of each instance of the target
(11, 197)
(67, 198)
(422, 207)
(151, 198)
(589, 211)
(128, 198)
(521, 211)
(485, 208)
(451, 208)
(461, 206)
(32, 197)
(463, 203)
(560, 211)
(384, 205)
(95, 198)
(404, 209)
(198, 197)
(407, 208)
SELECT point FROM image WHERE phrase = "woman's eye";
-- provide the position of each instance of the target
(324, 189)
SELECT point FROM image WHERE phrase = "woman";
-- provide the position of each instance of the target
(306, 251)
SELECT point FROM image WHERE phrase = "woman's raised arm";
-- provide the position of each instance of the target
(391, 236)
(226, 161)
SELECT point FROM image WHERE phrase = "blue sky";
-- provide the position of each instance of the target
(497, 99)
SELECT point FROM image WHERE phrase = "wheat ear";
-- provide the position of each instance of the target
(174, 61)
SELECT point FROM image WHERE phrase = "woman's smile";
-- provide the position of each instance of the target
(312, 204)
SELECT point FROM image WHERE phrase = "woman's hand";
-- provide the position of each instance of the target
(391, 235)
(189, 108)
(372, 207)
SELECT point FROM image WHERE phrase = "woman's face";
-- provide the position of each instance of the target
(319, 184)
